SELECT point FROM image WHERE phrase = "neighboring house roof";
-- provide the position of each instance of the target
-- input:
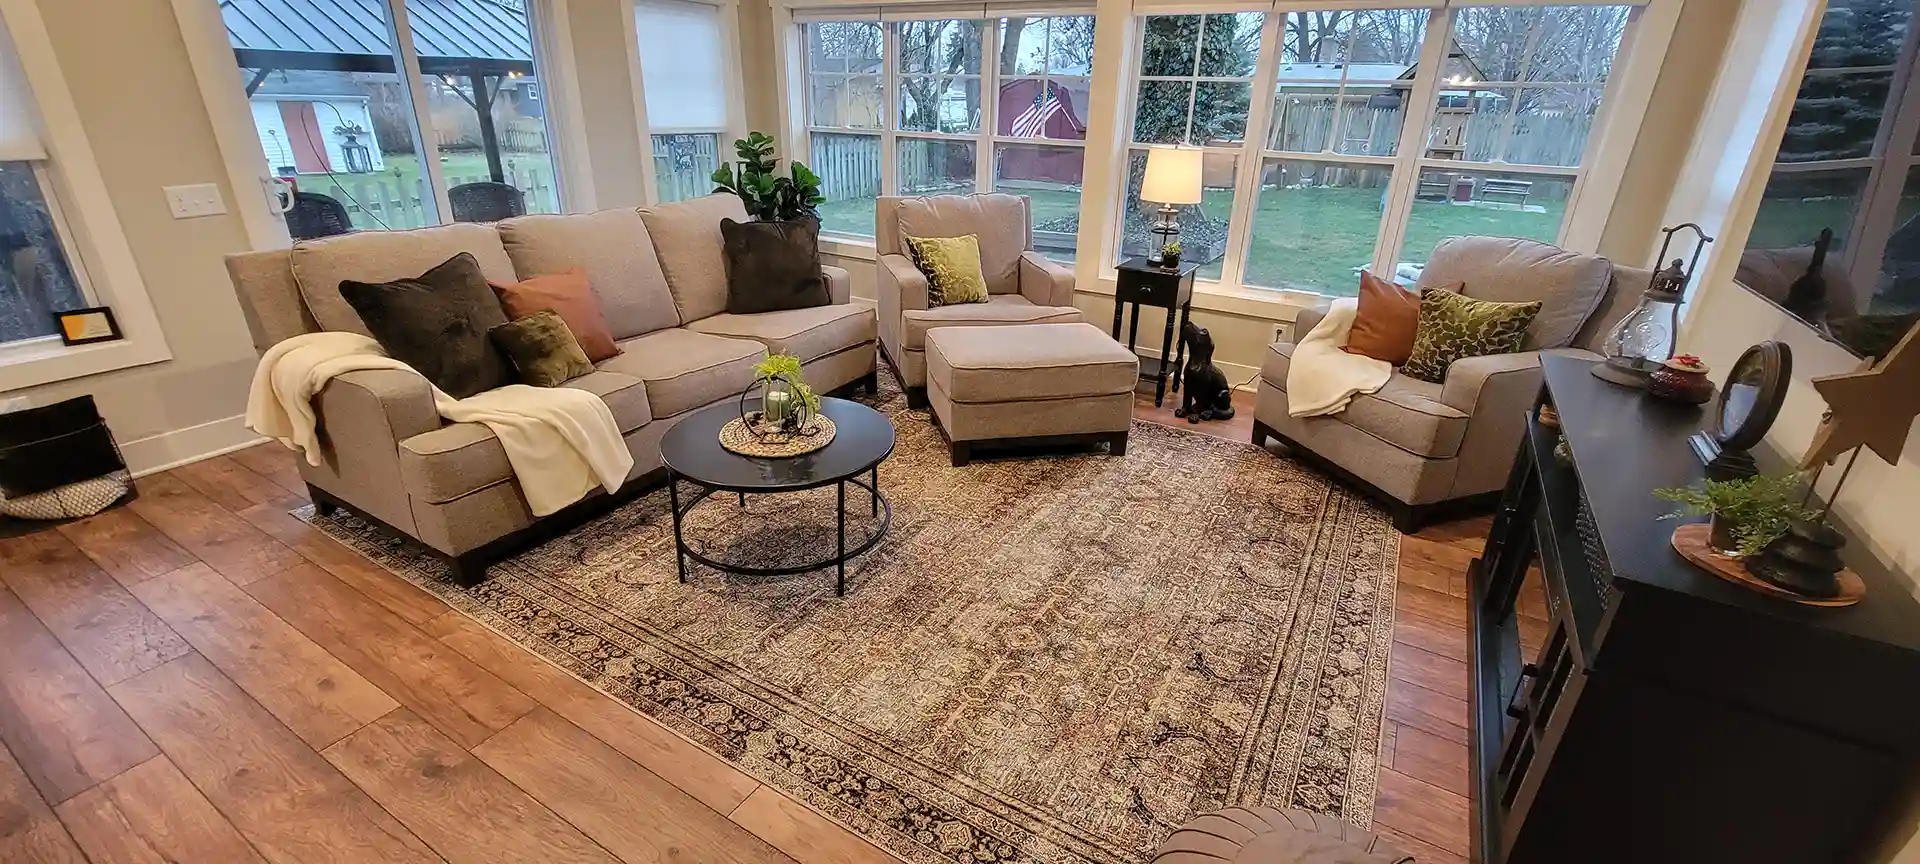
(451, 36)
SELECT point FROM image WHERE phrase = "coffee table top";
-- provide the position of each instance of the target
(864, 438)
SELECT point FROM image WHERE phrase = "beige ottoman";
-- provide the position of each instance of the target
(1032, 384)
(1264, 835)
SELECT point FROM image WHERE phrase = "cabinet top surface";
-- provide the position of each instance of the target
(1625, 445)
(1138, 263)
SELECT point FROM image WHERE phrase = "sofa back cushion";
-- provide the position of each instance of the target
(319, 266)
(612, 247)
(1568, 285)
(1000, 221)
(686, 236)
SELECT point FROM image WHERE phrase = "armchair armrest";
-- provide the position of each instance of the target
(1045, 282)
(839, 284)
(1501, 382)
(901, 287)
(1306, 320)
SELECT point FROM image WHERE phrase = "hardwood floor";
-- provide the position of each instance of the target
(199, 677)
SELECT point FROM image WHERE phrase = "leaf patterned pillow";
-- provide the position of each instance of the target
(1455, 326)
(952, 267)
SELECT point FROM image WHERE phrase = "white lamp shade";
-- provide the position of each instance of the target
(1173, 176)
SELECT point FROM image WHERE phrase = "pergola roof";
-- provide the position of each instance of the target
(451, 36)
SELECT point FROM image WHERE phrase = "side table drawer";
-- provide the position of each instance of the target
(1147, 291)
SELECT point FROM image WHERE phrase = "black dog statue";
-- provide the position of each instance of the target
(1208, 396)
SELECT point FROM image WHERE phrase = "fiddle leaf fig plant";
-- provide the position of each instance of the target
(769, 195)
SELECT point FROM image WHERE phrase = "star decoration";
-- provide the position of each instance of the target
(1873, 407)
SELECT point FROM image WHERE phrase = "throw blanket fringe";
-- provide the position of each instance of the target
(1321, 378)
(562, 442)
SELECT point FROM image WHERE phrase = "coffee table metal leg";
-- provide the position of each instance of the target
(743, 499)
(840, 578)
(875, 490)
(673, 503)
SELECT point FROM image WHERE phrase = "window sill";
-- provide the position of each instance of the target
(1266, 305)
(45, 361)
(848, 246)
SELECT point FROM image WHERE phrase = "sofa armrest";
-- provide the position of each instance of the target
(839, 284)
(375, 407)
(1505, 383)
(1045, 282)
(1306, 320)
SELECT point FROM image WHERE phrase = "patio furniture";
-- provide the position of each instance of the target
(1419, 446)
(1033, 384)
(315, 215)
(1517, 189)
(486, 201)
(1023, 286)
(1265, 835)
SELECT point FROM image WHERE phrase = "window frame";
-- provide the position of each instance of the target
(985, 139)
(87, 223)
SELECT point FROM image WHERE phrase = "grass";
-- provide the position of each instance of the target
(401, 171)
(1310, 239)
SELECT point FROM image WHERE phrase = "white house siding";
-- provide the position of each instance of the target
(336, 111)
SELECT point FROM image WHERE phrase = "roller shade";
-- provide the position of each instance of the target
(935, 11)
(19, 117)
(683, 65)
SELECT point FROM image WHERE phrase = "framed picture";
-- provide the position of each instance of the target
(87, 326)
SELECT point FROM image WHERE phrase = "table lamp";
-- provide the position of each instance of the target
(1172, 178)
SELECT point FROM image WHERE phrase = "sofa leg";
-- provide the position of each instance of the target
(1261, 432)
(322, 505)
(917, 398)
(1117, 445)
(469, 569)
(962, 453)
(872, 382)
(1408, 519)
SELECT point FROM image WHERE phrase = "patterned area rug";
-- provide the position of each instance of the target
(1053, 659)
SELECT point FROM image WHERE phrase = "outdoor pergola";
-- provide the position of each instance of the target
(480, 42)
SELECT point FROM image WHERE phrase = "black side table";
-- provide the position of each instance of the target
(1170, 288)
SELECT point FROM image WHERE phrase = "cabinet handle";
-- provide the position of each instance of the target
(1516, 707)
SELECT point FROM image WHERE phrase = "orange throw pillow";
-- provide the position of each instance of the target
(569, 296)
(1383, 328)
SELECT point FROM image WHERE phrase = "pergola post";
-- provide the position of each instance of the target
(489, 137)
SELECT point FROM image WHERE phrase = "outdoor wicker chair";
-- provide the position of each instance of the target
(486, 201)
(316, 215)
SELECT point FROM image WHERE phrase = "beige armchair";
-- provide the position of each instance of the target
(1420, 447)
(1024, 287)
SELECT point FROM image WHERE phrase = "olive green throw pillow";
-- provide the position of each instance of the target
(1454, 326)
(952, 267)
(543, 350)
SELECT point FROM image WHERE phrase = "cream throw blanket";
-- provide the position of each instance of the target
(562, 442)
(1321, 378)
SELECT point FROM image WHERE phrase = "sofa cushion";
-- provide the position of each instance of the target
(808, 334)
(437, 322)
(686, 234)
(319, 266)
(1568, 285)
(999, 309)
(1406, 412)
(459, 458)
(1000, 221)
(1035, 361)
(544, 351)
(568, 295)
(773, 266)
(1455, 327)
(685, 370)
(612, 247)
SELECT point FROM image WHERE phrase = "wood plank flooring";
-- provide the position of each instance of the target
(199, 677)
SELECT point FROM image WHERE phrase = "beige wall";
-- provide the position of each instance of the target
(127, 68)
(757, 67)
(599, 30)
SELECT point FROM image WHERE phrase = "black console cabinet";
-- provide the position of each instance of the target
(1670, 716)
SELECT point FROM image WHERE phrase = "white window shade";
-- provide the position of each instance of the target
(683, 64)
(19, 118)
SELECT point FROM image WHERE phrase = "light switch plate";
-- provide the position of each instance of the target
(199, 199)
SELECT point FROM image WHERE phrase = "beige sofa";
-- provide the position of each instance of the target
(1024, 287)
(660, 277)
(1420, 447)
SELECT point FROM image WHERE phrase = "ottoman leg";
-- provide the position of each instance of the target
(962, 453)
(1117, 445)
(917, 398)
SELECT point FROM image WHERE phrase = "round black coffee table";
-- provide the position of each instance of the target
(692, 451)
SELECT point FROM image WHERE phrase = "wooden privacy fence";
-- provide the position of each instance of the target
(683, 165)
(848, 165)
(1307, 126)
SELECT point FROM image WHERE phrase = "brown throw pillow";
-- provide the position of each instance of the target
(1383, 328)
(773, 266)
(569, 296)
(437, 324)
(543, 349)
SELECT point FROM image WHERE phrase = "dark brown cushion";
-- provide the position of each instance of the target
(773, 266)
(437, 324)
(543, 349)
(569, 296)
(1383, 328)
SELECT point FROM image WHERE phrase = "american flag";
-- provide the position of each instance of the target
(1033, 122)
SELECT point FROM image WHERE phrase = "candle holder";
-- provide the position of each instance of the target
(779, 414)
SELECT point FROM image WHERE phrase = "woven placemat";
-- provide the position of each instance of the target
(737, 438)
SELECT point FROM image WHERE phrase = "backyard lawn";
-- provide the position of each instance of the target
(389, 198)
(1309, 239)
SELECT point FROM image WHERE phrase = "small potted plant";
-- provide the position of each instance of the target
(1170, 255)
(1747, 514)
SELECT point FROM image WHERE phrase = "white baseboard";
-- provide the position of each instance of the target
(1244, 378)
(158, 453)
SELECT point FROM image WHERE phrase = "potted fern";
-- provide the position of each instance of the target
(769, 195)
(1748, 514)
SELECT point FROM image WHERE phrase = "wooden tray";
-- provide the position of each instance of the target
(1691, 542)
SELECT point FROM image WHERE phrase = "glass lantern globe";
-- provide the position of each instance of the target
(783, 408)
(1644, 340)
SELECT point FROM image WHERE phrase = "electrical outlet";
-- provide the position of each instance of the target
(199, 199)
(1280, 329)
